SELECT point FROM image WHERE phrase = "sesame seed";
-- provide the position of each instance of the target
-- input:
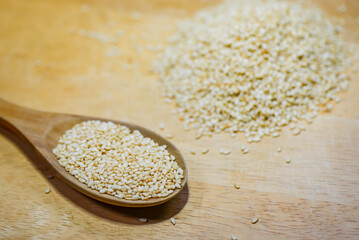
(114, 160)
(279, 149)
(234, 237)
(254, 220)
(173, 221)
(48, 190)
(302, 128)
(236, 186)
(144, 220)
(224, 151)
(275, 134)
(296, 132)
(85, 8)
(136, 15)
(342, 8)
(254, 68)
(169, 136)
(192, 151)
(205, 150)
(288, 160)
(162, 126)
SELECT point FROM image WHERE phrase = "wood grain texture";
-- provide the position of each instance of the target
(46, 65)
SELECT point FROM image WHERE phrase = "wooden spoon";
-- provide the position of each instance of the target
(43, 129)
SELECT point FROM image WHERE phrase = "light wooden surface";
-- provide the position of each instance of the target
(45, 64)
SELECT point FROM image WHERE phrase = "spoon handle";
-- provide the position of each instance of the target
(23, 121)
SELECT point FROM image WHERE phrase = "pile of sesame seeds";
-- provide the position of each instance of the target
(253, 67)
(111, 159)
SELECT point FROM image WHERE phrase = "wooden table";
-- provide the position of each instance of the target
(47, 63)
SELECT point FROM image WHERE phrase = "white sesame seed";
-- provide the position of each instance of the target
(162, 126)
(236, 186)
(302, 128)
(113, 160)
(85, 8)
(296, 132)
(205, 150)
(245, 151)
(279, 149)
(229, 69)
(48, 190)
(192, 151)
(136, 15)
(288, 160)
(234, 237)
(254, 220)
(342, 8)
(224, 151)
(144, 220)
(173, 221)
(169, 136)
(275, 134)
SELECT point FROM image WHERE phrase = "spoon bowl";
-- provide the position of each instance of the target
(43, 130)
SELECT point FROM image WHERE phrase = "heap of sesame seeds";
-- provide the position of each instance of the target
(253, 67)
(111, 159)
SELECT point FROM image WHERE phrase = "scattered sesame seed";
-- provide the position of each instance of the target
(167, 100)
(136, 15)
(192, 151)
(288, 160)
(205, 150)
(275, 134)
(342, 8)
(111, 24)
(85, 8)
(279, 149)
(173, 221)
(224, 151)
(120, 33)
(234, 237)
(144, 220)
(169, 136)
(48, 190)
(245, 151)
(296, 132)
(302, 128)
(236, 186)
(162, 126)
(292, 126)
(254, 220)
